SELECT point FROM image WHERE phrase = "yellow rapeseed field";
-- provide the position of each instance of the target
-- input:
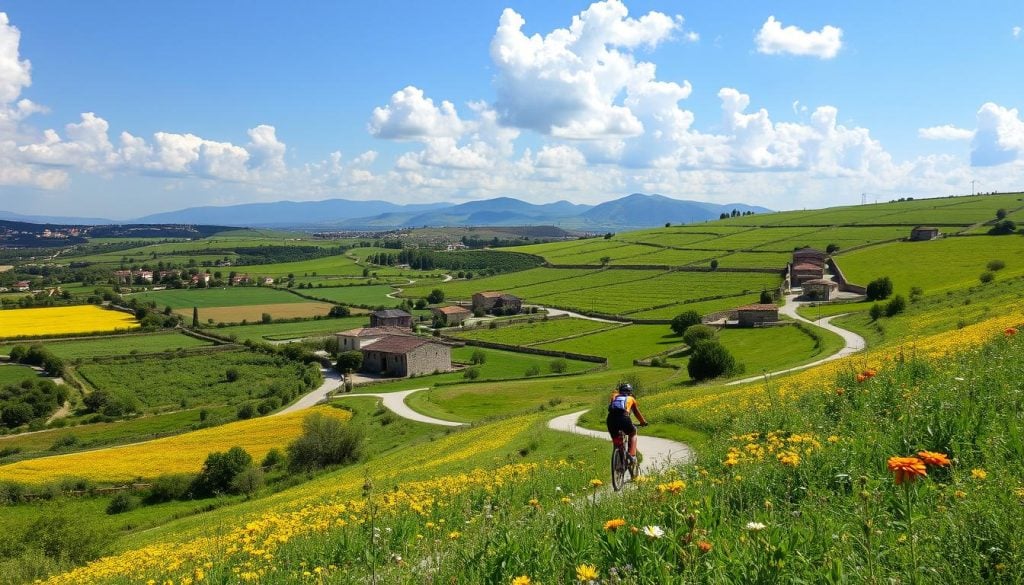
(180, 454)
(59, 320)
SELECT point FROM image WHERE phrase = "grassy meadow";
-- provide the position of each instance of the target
(119, 345)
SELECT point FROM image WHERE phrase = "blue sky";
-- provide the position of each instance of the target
(122, 109)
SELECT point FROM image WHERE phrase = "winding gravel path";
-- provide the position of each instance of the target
(332, 381)
(395, 401)
(657, 453)
(852, 342)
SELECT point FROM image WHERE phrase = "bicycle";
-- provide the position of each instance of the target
(621, 463)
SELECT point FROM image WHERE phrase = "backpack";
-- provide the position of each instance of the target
(618, 404)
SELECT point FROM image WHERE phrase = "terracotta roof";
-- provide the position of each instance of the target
(391, 313)
(807, 266)
(453, 310)
(821, 281)
(758, 307)
(374, 331)
(397, 344)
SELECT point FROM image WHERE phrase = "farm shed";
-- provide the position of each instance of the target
(757, 314)
(923, 233)
(820, 289)
(390, 318)
(452, 315)
(405, 355)
(491, 301)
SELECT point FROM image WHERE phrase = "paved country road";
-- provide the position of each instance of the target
(395, 401)
(657, 453)
(332, 381)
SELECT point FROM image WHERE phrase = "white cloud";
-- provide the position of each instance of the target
(410, 115)
(945, 132)
(568, 83)
(692, 36)
(1015, 31)
(999, 138)
(561, 156)
(15, 72)
(773, 39)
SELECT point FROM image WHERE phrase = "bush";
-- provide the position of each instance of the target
(246, 411)
(266, 318)
(232, 375)
(1002, 228)
(471, 373)
(170, 487)
(995, 265)
(682, 321)
(111, 403)
(879, 289)
(421, 304)
(219, 472)
(339, 311)
(478, 357)
(350, 361)
(531, 371)
(435, 296)
(122, 502)
(324, 441)
(916, 293)
(248, 481)
(831, 248)
(698, 333)
(896, 306)
(66, 537)
(876, 312)
(709, 360)
(559, 366)
(987, 277)
(274, 458)
(714, 264)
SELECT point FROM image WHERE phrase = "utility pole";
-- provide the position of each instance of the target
(972, 186)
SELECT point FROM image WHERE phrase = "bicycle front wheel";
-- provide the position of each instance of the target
(618, 469)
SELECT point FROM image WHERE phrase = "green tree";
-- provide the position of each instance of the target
(324, 441)
(435, 296)
(684, 320)
(896, 306)
(709, 360)
(879, 289)
(694, 334)
(195, 317)
(478, 357)
(219, 472)
(350, 361)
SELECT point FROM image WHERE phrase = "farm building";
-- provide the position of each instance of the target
(453, 315)
(757, 314)
(809, 256)
(356, 339)
(390, 318)
(923, 233)
(406, 355)
(239, 279)
(820, 289)
(22, 285)
(492, 301)
(267, 281)
(805, 271)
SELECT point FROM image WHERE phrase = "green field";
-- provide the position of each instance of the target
(119, 345)
(166, 382)
(622, 345)
(235, 296)
(936, 265)
(373, 295)
(293, 330)
(12, 374)
(540, 331)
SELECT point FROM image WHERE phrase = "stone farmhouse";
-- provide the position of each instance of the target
(356, 339)
(924, 233)
(757, 315)
(492, 301)
(808, 264)
(820, 289)
(453, 315)
(406, 355)
(391, 318)
(240, 279)
(22, 286)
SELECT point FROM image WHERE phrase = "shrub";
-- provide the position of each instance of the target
(246, 411)
(831, 248)
(559, 366)
(896, 306)
(698, 333)
(995, 265)
(121, 503)
(916, 293)
(682, 321)
(324, 441)
(219, 472)
(435, 296)
(492, 325)
(987, 277)
(709, 360)
(876, 311)
(879, 289)
(478, 357)
(471, 373)
(339, 311)
(248, 481)
(169, 487)
(350, 361)
(714, 264)
(531, 371)
(66, 537)
(232, 375)
(111, 403)
(421, 304)
(766, 298)
(1002, 228)
(274, 458)
(266, 318)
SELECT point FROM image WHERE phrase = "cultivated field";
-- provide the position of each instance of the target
(63, 320)
(119, 345)
(254, 313)
(540, 331)
(373, 295)
(218, 297)
(281, 331)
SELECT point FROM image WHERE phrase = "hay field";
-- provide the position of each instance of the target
(254, 313)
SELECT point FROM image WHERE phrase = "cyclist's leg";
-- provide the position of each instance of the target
(630, 430)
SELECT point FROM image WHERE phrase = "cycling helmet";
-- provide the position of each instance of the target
(625, 388)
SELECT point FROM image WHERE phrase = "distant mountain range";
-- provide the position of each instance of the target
(630, 212)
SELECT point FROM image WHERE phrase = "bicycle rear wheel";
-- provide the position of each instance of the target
(619, 466)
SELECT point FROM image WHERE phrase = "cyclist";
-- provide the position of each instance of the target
(623, 404)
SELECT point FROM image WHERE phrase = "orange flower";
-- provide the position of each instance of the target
(614, 524)
(1010, 331)
(870, 373)
(932, 458)
(906, 468)
(840, 391)
(704, 546)
(861, 377)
